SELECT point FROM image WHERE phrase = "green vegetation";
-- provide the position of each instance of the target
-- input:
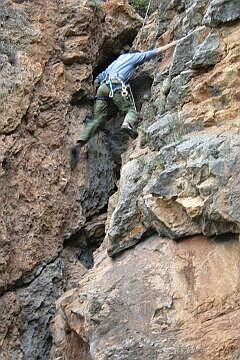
(176, 131)
(150, 165)
(140, 6)
(94, 4)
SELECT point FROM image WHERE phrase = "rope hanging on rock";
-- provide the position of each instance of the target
(144, 22)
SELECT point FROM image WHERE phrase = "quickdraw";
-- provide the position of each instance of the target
(124, 90)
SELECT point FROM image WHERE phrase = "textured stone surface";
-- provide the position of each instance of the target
(222, 11)
(132, 180)
(160, 300)
(26, 314)
(184, 52)
(197, 187)
(43, 202)
(179, 89)
(207, 54)
(48, 53)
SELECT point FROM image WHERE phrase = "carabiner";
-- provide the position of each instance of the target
(124, 91)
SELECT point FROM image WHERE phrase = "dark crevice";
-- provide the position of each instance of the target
(28, 277)
(217, 239)
(112, 48)
(85, 241)
(223, 238)
(116, 142)
(101, 211)
(141, 89)
(81, 98)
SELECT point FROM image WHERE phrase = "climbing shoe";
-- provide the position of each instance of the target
(74, 157)
(128, 129)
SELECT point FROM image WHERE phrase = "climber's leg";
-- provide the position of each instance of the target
(126, 105)
(99, 114)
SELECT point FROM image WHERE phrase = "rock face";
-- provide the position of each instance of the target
(148, 296)
(160, 300)
(187, 184)
(48, 53)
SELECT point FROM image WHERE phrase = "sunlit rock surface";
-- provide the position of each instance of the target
(48, 53)
(185, 169)
(165, 281)
(160, 300)
(169, 289)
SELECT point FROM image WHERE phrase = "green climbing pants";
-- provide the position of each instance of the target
(124, 104)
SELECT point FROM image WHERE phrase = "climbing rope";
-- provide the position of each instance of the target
(133, 100)
(144, 22)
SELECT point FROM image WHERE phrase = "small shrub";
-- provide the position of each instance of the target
(140, 6)
(94, 4)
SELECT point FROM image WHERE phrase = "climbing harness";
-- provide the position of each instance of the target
(124, 90)
(124, 87)
(101, 97)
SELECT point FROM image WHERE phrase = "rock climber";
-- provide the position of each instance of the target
(113, 83)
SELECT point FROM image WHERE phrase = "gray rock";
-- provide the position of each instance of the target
(178, 5)
(192, 17)
(179, 88)
(38, 307)
(161, 131)
(185, 189)
(164, 17)
(222, 11)
(207, 54)
(126, 213)
(184, 52)
(31, 309)
(169, 129)
(197, 174)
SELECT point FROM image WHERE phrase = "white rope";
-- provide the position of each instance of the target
(144, 22)
(133, 100)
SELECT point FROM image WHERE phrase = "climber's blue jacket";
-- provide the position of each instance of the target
(123, 67)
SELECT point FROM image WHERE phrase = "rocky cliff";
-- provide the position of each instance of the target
(164, 283)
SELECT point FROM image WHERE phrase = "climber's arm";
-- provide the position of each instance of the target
(141, 57)
(102, 76)
(161, 49)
